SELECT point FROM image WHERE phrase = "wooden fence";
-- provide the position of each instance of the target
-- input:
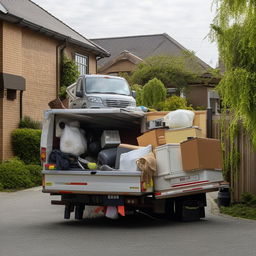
(245, 178)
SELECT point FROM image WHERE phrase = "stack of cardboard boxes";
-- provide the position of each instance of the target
(183, 149)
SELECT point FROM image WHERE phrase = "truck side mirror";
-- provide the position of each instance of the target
(79, 94)
(134, 94)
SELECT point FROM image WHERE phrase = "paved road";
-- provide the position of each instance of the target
(30, 226)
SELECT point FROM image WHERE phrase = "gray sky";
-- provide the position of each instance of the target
(187, 21)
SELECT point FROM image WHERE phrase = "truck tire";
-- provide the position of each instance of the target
(169, 209)
(67, 212)
(79, 211)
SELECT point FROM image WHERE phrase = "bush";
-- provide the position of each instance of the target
(26, 145)
(172, 71)
(35, 174)
(172, 103)
(14, 175)
(69, 74)
(248, 199)
(28, 122)
(153, 92)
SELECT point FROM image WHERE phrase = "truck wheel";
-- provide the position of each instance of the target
(169, 209)
(79, 211)
(188, 210)
(202, 212)
(67, 212)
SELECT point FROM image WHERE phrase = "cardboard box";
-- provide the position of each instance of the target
(155, 138)
(182, 134)
(201, 154)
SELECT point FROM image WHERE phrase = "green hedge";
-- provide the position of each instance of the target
(14, 174)
(28, 122)
(35, 174)
(26, 145)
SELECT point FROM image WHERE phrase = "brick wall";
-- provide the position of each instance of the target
(31, 55)
(39, 70)
(12, 64)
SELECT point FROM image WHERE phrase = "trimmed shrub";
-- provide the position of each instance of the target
(172, 103)
(26, 145)
(14, 175)
(35, 174)
(153, 92)
(28, 122)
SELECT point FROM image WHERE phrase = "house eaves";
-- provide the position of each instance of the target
(125, 55)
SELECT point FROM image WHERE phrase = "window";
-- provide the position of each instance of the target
(11, 94)
(82, 63)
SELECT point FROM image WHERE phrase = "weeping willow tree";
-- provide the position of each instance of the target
(234, 29)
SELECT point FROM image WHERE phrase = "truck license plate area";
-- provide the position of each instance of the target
(184, 180)
(113, 200)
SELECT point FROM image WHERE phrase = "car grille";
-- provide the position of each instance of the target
(117, 103)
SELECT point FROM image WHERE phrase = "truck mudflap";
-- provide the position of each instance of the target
(94, 182)
(198, 189)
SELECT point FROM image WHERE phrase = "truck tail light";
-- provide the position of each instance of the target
(43, 154)
(50, 166)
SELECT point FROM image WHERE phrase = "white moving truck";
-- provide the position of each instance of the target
(175, 194)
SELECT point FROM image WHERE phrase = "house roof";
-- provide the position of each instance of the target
(28, 14)
(144, 46)
(125, 55)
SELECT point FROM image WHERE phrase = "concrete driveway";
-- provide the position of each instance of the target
(30, 226)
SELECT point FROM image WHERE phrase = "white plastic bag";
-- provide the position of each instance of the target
(128, 160)
(72, 140)
(179, 118)
(112, 212)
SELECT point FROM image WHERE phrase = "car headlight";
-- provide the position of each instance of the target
(95, 99)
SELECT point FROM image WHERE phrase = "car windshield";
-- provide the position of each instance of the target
(107, 85)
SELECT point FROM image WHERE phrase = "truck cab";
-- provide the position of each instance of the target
(100, 91)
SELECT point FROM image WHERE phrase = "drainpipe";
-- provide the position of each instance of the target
(21, 105)
(97, 59)
(59, 50)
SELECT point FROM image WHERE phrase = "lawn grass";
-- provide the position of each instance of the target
(240, 210)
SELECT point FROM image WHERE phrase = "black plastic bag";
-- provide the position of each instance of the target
(61, 160)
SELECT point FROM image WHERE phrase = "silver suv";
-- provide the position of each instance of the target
(100, 91)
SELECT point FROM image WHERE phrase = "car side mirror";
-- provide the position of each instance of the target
(134, 94)
(79, 94)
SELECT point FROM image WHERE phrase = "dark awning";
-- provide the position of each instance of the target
(13, 82)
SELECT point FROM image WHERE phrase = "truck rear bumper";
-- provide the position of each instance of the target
(187, 191)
